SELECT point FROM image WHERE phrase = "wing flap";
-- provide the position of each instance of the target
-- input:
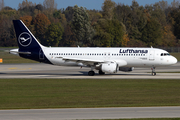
(81, 60)
(92, 61)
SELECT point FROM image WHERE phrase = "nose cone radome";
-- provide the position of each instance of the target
(173, 60)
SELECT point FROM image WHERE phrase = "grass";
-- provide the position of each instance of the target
(82, 93)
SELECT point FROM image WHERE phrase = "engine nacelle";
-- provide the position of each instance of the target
(126, 69)
(109, 67)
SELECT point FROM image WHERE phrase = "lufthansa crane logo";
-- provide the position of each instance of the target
(25, 39)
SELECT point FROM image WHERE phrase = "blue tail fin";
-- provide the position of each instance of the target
(25, 38)
(29, 47)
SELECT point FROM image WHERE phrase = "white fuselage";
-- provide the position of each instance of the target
(132, 56)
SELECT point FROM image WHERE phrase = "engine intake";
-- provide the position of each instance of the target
(109, 67)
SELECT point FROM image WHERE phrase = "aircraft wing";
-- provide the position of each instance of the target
(93, 61)
(84, 61)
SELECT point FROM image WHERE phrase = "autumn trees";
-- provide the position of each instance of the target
(54, 34)
(146, 26)
(1, 4)
(41, 22)
(81, 27)
(115, 25)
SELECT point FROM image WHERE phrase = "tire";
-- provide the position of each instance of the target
(154, 73)
(91, 73)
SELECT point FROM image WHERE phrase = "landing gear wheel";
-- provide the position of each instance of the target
(153, 73)
(101, 72)
(91, 73)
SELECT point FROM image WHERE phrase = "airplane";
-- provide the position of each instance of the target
(106, 60)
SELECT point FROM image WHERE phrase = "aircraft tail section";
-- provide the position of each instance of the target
(25, 38)
(29, 47)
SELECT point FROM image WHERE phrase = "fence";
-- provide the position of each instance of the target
(171, 49)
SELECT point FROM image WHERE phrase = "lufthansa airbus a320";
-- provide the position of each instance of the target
(106, 60)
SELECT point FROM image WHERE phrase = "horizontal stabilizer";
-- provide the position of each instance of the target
(16, 52)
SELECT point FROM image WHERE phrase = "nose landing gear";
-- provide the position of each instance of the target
(153, 71)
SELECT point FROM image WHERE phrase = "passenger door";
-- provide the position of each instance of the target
(151, 55)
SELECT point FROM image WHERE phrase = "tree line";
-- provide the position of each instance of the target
(116, 25)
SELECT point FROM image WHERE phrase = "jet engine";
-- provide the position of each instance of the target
(126, 69)
(109, 67)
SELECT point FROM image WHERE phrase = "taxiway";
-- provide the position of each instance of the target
(91, 113)
(40, 70)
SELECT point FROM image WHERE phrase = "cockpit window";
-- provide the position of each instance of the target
(165, 54)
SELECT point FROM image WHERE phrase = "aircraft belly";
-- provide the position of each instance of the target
(61, 62)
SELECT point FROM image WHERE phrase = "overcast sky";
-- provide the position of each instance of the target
(89, 4)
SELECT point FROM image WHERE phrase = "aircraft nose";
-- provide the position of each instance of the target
(174, 60)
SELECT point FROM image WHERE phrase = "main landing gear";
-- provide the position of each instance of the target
(101, 72)
(153, 71)
(91, 73)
